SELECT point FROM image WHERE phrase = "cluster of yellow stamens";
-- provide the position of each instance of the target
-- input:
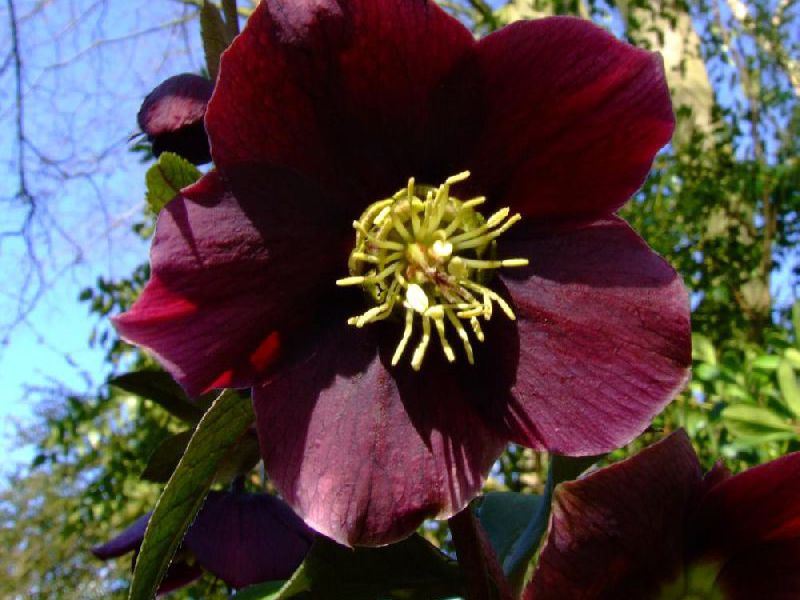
(425, 251)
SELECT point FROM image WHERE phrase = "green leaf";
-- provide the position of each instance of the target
(168, 176)
(703, 349)
(231, 18)
(166, 456)
(753, 425)
(705, 372)
(796, 322)
(412, 570)
(793, 356)
(161, 388)
(562, 468)
(504, 516)
(766, 362)
(790, 391)
(215, 36)
(219, 429)
(242, 457)
(262, 591)
(734, 391)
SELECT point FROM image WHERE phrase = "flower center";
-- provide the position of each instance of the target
(429, 254)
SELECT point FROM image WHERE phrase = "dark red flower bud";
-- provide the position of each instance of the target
(172, 117)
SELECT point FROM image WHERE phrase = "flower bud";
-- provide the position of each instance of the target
(172, 117)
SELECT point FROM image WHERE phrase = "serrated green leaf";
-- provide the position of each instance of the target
(562, 468)
(161, 388)
(753, 425)
(215, 37)
(219, 429)
(790, 391)
(412, 569)
(168, 176)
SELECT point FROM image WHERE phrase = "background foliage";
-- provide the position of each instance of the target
(721, 205)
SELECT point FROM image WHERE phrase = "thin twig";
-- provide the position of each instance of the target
(20, 106)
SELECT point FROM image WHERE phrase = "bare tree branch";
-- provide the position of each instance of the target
(64, 135)
(22, 192)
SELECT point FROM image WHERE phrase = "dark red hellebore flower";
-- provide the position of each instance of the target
(172, 117)
(383, 406)
(241, 538)
(653, 528)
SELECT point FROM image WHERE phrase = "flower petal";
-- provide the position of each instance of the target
(756, 507)
(718, 473)
(365, 452)
(125, 542)
(355, 94)
(172, 117)
(246, 539)
(604, 336)
(619, 532)
(767, 571)
(575, 117)
(179, 575)
(230, 272)
(180, 572)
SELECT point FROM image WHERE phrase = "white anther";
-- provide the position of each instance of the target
(442, 249)
(416, 298)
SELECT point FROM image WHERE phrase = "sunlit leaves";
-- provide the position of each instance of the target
(166, 178)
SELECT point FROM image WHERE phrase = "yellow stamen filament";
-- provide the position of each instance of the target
(425, 251)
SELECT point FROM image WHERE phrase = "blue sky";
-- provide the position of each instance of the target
(86, 67)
